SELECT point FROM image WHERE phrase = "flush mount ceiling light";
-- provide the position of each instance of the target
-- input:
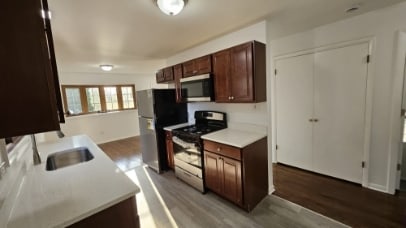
(106, 67)
(171, 7)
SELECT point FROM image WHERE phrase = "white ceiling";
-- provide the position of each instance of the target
(124, 32)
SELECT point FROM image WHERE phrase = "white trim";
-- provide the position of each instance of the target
(369, 95)
(195, 78)
(325, 47)
(377, 187)
(368, 112)
(396, 121)
(271, 189)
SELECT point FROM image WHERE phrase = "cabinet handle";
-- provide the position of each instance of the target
(229, 97)
(310, 120)
(315, 120)
(232, 97)
(218, 149)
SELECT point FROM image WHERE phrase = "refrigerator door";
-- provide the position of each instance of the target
(145, 103)
(149, 145)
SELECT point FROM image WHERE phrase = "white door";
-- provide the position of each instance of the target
(339, 106)
(294, 109)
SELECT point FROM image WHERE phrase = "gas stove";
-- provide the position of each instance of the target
(188, 146)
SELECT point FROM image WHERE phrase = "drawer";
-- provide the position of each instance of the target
(223, 149)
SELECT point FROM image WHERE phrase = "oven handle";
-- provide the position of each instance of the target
(182, 143)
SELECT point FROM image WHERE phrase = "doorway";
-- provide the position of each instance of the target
(401, 183)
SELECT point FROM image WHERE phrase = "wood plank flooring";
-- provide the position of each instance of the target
(166, 201)
(125, 152)
(344, 201)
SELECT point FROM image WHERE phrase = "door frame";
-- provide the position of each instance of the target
(369, 96)
(395, 140)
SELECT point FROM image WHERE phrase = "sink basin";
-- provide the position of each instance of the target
(68, 157)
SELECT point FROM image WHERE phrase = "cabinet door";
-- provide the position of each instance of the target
(189, 68)
(232, 188)
(168, 74)
(294, 109)
(160, 76)
(221, 70)
(340, 98)
(178, 73)
(28, 84)
(203, 64)
(212, 170)
(169, 150)
(242, 73)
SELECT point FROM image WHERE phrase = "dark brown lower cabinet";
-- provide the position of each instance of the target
(240, 175)
(121, 215)
(169, 149)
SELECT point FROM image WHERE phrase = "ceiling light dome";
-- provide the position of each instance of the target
(171, 7)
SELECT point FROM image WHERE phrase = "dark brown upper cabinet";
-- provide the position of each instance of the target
(197, 66)
(165, 75)
(240, 73)
(31, 100)
(178, 74)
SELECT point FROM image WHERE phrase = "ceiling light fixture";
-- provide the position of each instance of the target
(106, 67)
(171, 7)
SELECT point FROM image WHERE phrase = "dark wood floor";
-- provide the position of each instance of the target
(125, 152)
(343, 201)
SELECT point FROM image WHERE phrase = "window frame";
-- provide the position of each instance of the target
(83, 98)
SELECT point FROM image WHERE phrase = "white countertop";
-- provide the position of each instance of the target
(64, 196)
(233, 137)
(170, 128)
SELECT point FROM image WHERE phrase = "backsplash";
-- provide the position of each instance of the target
(239, 116)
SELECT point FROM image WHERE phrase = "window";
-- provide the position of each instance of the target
(85, 99)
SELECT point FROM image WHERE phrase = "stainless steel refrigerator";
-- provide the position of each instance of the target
(157, 108)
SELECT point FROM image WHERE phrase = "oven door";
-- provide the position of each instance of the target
(188, 155)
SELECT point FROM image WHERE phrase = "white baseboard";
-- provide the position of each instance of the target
(271, 189)
(378, 187)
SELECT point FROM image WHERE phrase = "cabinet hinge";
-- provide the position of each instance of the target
(368, 58)
(398, 167)
(363, 164)
(276, 72)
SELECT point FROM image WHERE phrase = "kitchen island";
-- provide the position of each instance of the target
(74, 195)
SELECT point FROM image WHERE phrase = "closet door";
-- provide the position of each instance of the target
(294, 109)
(339, 106)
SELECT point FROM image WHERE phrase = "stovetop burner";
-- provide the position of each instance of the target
(206, 122)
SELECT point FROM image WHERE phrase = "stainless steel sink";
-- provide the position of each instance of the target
(68, 157)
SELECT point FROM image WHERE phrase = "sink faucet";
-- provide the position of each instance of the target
(35, 154)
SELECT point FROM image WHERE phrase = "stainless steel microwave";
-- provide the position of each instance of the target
(197, 88)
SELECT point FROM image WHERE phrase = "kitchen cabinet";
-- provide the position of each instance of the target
(201, 65)
(238, 174)
(30, 85)
(320, 111)
(169, 149)
(240, 73)
(164, 75)
(178, 74)
(123, 214)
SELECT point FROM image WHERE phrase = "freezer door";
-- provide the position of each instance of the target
(145, 103)
(149, 145)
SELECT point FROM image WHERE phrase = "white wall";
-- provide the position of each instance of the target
(105, 127)
(382, 25)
